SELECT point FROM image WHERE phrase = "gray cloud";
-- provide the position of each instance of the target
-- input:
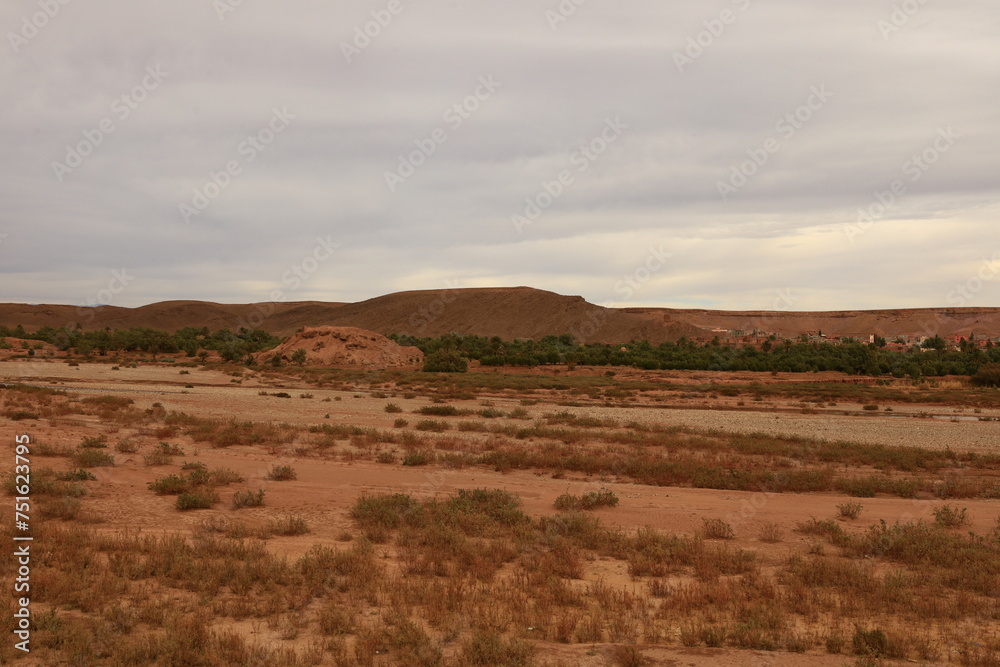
(324, 175)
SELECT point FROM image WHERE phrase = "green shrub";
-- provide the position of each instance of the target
(248, 499)
(947, 516)
(392, 408)
(431, 425)
(445, 361)
(988, 375)
(419, 458)
(439, 410)
(588, 501)
(92, 458)
(171, 485)
(197, 500)
(79, 475)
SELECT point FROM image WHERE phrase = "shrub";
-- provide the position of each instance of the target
(79, 475)
(870, 407)
(716, 529)
(870, 642)
(98, 442)
(169, 449)
(127, 446)
(947, 516)
(18, 415)
(281, 473)
(392, 408)
(171, 485)
(489, 648)
(850, 510)
(400, 423)
(92, 458)
(418, 458)
(439, 410)
(988, 375)
(248, 499)
(157, 458)
(197, 500)
(445, 361)
(588, 501)
(770, 533)
(290, 525)
(431, 425)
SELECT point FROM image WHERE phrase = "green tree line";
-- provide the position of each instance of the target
(232, 346)
(933, 358)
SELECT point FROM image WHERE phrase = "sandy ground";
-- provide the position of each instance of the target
(325, 489)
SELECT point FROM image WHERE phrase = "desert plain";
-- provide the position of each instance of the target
(189, 512)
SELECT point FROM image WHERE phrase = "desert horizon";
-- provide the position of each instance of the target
(569, 333)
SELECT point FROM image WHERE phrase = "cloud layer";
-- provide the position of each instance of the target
(845, 153)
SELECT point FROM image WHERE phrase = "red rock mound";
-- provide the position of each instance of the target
(345, 346)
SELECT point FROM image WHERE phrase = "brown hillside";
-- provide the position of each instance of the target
(167, 315)
(345, 346)
(901, 322)
(517, 312)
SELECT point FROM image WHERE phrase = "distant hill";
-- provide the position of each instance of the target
(507, 312)
(980, 322)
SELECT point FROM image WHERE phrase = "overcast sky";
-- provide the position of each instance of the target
(692, 154)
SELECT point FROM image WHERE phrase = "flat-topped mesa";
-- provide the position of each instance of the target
(344, 346)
